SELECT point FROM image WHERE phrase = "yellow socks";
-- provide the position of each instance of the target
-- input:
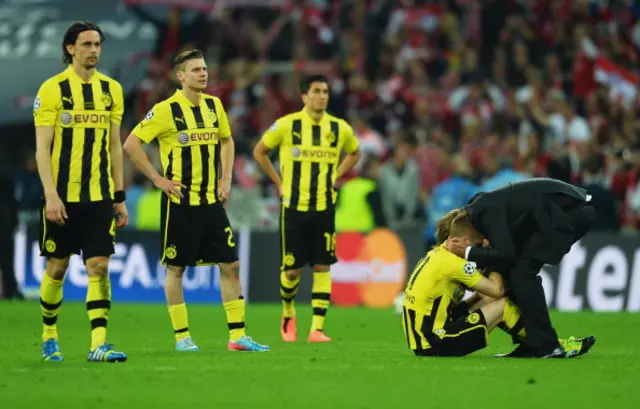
(288, 291)
(235, 318)
(512, 321)
(320, 296)
(98, 307)
(179, 320)
(50, 302)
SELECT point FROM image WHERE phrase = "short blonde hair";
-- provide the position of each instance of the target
(443, 226)
(461, 226)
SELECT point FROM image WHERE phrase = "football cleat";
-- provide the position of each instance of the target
(106, 353)
(578, 346)
(288, 329)
(186, 345)
(51, 351)
(318, 336)
(247, 344)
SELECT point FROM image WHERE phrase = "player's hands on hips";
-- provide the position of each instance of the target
(169, 187)
(56, 212)
(224, 189)
(457, 246)
(121, 213)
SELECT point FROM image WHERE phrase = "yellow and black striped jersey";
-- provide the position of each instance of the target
(309, 157)
(189, 138)
(82, 114)
(436, 286)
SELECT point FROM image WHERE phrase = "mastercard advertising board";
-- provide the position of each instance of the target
(371, 269)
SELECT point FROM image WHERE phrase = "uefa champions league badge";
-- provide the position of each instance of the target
(149, 116)
(183, 138)
(36, 103)
(469, 268)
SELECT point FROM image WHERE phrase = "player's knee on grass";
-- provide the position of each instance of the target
(493, 312)
(57, 267)
(175, 271)
(293, 274)
(230, 271)
(97, 266)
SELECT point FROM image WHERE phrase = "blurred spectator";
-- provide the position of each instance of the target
(147, 212)
(28, 191)
(359, 206)
(547, 84)
(454, 192)
(140, 184)
(400, 184)
(603, 199)
(500, 173)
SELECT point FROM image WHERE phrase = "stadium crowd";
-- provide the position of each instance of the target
(446, 96)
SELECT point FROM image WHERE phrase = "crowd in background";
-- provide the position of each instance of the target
(447, 97)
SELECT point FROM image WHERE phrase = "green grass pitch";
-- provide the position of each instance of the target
(368, 365)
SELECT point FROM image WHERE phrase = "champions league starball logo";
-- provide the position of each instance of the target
(65, 118)
(183, 138)
(295, 152)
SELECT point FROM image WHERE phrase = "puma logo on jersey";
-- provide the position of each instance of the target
(181, 119)
(297, 135)
(69, 100)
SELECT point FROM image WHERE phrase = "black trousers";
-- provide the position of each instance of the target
(9, 283)
(526, 291)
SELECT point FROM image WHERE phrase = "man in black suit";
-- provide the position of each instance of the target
(529, 224)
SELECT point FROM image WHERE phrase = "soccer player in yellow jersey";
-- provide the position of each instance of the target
(197, 154)
(512, 322)
(311, 142)
(77, 116)
(435, 320)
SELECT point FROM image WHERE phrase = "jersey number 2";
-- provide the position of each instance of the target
(230, 241)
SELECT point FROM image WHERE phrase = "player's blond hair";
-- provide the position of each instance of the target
(462, 226)
(456, 223)
(444, 226)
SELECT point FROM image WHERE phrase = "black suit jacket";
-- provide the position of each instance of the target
(524, 219)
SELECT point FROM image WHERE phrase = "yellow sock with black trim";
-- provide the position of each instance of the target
(98, 307)
(50, 304)
(288, 291)
(320, 296)
(179, 320)
(512, 321)
(235, 318)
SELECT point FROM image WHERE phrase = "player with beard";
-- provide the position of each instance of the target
(77, 116)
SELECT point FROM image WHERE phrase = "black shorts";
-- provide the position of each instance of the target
(462, 337)
(90, 230)
(307, 238)
(196, 235)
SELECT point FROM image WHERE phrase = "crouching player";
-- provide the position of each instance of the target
(431, 318)
(437, 322)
